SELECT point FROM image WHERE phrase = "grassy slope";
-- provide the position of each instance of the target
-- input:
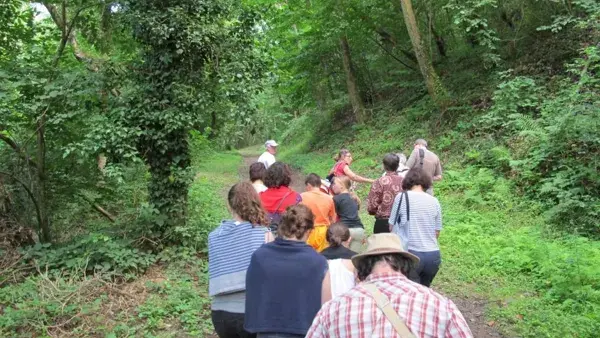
(494, 244)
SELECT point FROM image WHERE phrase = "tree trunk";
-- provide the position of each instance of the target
(434, 85)
(41, 176)
(353, 92)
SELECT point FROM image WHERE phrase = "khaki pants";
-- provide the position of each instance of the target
(358, 240)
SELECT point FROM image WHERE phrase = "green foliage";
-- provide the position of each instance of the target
(34, 307)
(181, 299)
(92, 254)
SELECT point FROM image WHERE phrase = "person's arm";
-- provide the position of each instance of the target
(394, 212)
(326, 289)
(355, 177)
(374, 198)
(317, 329)
(412, 160)
(438, 171)
(457, 325)
(438, 220)
(332, 215)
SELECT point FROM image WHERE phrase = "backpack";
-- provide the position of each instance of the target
(275, 218)
(421, 156)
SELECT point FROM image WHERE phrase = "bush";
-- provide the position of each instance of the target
(94, 253)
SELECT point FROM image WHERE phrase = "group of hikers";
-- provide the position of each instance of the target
(290, 264)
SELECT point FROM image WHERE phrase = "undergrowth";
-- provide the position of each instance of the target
(107, 284)
(501, 240)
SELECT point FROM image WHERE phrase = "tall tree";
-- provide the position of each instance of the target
(434, 85)
(353, 92)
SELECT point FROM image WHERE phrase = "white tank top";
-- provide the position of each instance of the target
(342, 279)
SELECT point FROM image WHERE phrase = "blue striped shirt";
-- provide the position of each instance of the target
(425, 219)
(230, 247)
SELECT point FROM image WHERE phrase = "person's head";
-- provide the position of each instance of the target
(402, 158)
(245, 203)
(420, 144)
(278, 175)
(337, 235)
(384, 253)
(312, 182)
(271, 146)
(391, 162)
(344, 155)
(296, 223)
(416, 177)
(257, 172)
(342, 184)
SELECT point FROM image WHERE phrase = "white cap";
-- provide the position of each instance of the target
(271, 143)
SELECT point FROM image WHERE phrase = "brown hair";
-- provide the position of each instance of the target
(340, 156)
(337, 234)
(244, 201)
(257, 171)
(296, 221)
(347, 183)
(416, 176)
(313, 179)
(279, 174)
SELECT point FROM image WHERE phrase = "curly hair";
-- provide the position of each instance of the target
(337, 234)
(257, 171)
(397, 262)
(416, 176)
(296, 222)
(279, 174)
(244, 201)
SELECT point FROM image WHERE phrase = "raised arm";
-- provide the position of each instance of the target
(355, 177)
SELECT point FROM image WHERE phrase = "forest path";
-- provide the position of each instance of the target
(472, 307)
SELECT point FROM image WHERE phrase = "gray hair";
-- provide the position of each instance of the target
(421, 142)
(402, 158)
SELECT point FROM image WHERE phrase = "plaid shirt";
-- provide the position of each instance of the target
(355, 314)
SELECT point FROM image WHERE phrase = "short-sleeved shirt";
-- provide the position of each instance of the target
(321, 206)
(276, 200)
(347, 210)
(431, 162)
(267, 159)
(382, 194)
(338, 169)
(355, 314)
(425, 219)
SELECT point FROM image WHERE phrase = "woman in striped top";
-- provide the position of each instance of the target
(417, 218)
(230, 247)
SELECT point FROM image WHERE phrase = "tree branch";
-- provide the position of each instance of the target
(11, 143)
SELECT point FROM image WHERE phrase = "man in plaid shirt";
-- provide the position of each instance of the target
(356, 313)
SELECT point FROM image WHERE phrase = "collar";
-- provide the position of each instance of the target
(385, 277)
(391, 173)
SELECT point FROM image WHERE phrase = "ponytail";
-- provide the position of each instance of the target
(337, 234)
(343, 152)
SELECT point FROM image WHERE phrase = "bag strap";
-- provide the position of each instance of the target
(383, 303)
(422, 156)
(283, 199)
(398, 214)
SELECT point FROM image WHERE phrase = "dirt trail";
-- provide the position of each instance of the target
(473, 309)
(297, 177)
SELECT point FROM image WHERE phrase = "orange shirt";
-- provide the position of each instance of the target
(321, 205)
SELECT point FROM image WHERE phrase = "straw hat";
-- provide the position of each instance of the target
(385, 243)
